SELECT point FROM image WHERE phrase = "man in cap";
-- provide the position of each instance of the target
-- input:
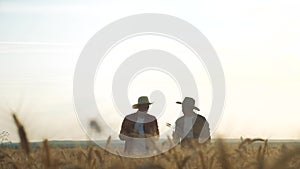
(191, 126)
(139, 128)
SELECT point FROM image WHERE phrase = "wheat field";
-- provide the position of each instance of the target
(247, 154)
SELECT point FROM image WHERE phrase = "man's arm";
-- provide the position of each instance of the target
(156, 133)
(152, 129)
(176, 135)
(124, 130)
(205, 133)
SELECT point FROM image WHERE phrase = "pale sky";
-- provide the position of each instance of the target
(257, 43)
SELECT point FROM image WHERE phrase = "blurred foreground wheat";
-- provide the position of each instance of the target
(248, 154)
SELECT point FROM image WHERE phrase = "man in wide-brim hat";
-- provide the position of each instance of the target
(190, 126)
(137, 126)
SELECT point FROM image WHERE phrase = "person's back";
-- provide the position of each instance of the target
(190, 126)
(138, 128)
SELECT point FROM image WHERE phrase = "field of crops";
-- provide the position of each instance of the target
(247, 154)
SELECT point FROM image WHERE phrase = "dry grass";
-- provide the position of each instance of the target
(249, 154)
(213, 156)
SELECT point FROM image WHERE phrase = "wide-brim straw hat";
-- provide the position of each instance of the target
(142, 100)
(188, 101)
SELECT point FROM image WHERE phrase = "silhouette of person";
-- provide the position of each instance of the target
(191, 126)
(139, 125)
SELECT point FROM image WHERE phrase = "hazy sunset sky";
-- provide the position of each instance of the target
(256, 41)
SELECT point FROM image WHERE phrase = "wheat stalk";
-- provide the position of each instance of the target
(22, 134)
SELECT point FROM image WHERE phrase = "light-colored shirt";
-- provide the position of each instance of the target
(139, 125)
(188, 125)
(140, 144)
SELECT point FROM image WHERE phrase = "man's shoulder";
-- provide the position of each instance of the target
(180, 119)
(150, 116)
(200, 117)
(131, 117)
